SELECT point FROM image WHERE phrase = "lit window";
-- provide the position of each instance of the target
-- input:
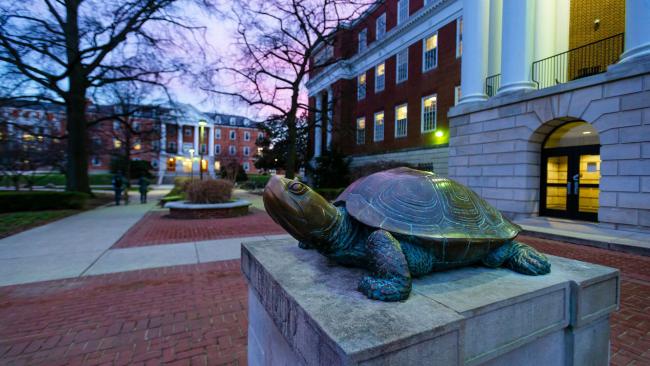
(380, 27)
(247, 150)
(380, 77)
(137, 145)
(402, 63)
(117, 143)
(430, 54)
(361, 86)
(402, 11)
(232, 150)
(429, 106)
(361, 131)
(247, 136)
(217, 149)
(363, 39)
(379, 126)
(233, 135)
(401, 120)
(217, 133)
(459, 37)
(457, 94)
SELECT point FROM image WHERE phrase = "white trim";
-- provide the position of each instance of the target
(406, 128)
(435, 120)
(459, 37)
(406, 52)
(374, 127)
(421, 23)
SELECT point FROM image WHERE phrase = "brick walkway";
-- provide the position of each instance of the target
(181, 315)
(156, 228)
(196, 314)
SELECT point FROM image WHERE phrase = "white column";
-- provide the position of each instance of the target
(637, 30)
(318, 132)
(211, 141)
(494, 42)
(475, 50)
(163, 138)
(330, 116)
(196, 139)
(544, 44)
(517, 45)
(179, 137)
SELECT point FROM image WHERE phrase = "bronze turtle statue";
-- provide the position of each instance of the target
(401, 223)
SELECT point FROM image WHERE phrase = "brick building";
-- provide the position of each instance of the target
(397, 76)
(215, 138)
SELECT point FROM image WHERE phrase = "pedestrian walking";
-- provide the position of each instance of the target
(144, 187)
(118, 186)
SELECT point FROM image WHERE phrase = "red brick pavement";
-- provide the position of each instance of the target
(157, 228)
(631, 324)
(196, 314)
(182, 315)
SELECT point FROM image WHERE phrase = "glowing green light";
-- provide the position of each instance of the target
(439, 133)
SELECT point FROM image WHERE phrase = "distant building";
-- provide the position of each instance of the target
(174, 147)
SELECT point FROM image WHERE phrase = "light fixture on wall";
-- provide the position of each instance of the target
(596, 24)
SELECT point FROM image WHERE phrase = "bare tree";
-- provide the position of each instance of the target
(62, 51)
(276, 42)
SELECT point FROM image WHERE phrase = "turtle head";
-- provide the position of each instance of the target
(305, 214)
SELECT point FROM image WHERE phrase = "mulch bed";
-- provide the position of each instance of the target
(156, 227)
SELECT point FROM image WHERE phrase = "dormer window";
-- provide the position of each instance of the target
(402, 11)
(363, 40)
(380, 27)
(232, 121)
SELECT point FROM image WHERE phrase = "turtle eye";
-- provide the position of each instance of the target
(297, 188)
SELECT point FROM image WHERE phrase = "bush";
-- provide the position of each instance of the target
(331, 171)
(40, 200)
(209, 191)
(364, 170)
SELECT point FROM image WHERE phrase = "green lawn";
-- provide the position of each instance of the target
(14, 222)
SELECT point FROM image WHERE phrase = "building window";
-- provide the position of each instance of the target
(155, 145)
(260, 135)
(172, 147)
(232, 121)
(154, 164)
(361, 86)
(430, 54)
(117, 125)
(361, 131)
(379, 126)
(232, 150)
(247, 136)
(137, 146)
(457, 94)
(136, 126)
(459, 37)
(96, 161)
(247, 150)
(217, 133)
(429, 106)
(117, 143)
(217, 149)
(402, 11)
(363, 40)
(247, 166)
(401, 120)
(187, 131)
(204, 149)
(380, 77)
(233, 135)
(380, 27)
(402, 67)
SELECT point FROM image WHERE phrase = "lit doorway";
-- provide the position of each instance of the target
(570, 174)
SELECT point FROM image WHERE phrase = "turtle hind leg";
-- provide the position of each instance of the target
(391, 279)
(520, 258)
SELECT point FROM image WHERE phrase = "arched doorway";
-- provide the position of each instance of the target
(570, 173)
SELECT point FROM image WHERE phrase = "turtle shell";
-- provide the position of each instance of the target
(425, 205)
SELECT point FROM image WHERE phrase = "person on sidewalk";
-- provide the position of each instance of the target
(118, 185)
(144, 187)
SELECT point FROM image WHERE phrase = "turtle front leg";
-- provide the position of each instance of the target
(520, 258)
(391, 279)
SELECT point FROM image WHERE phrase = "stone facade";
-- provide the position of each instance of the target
(433, 159)
(495, 146)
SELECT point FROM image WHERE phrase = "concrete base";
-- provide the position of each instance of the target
(304, 311)
(183, 210)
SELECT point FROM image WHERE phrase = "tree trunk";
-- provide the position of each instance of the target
(127, 155)
(291, 154)
(77, 149)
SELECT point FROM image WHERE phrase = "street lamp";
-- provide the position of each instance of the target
(191, 163)
(202, 124)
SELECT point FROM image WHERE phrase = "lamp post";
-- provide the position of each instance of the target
(191, 163)
(202, 124)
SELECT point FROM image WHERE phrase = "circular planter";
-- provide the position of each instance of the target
(185, 210)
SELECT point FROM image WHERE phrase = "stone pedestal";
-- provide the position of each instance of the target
(305, 311)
